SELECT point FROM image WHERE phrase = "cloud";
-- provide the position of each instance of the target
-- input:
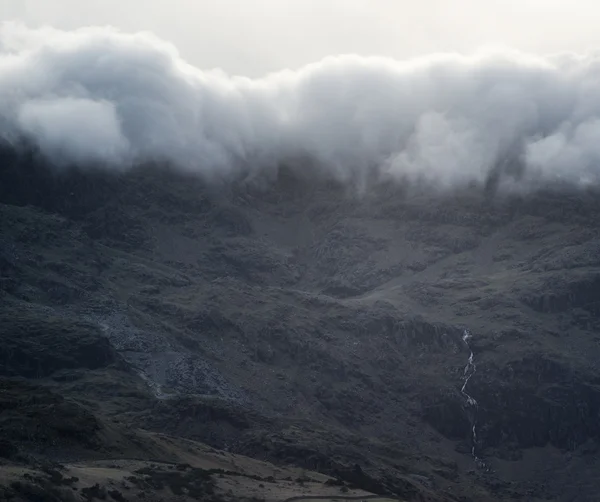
(81, 131)
(99, 96)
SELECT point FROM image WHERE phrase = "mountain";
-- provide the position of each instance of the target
(302, 322)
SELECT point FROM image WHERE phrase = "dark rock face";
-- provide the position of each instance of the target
(32, 418)
(211, 421)
(37, 345)
(447, 415)
(537, 402)
(576, 291)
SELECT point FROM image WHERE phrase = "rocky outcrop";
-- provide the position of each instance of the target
(34, 419)
(36, 344)
(534, 402)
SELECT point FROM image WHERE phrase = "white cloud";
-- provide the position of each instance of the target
(78, 130)
(96, 94)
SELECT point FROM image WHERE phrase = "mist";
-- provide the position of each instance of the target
(100, 97)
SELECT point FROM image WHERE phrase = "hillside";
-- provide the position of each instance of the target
(302, 322)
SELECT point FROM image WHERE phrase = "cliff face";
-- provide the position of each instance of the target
(299, 322)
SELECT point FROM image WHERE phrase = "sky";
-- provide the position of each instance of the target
(255, 37)
(449, 92)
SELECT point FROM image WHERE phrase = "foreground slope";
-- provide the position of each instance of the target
(294, 320)
(189, 471)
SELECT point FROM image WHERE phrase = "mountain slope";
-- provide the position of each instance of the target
(297, 321)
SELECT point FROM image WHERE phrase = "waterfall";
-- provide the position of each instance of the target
(472, 406)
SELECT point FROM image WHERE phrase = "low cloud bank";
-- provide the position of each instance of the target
(102, 97)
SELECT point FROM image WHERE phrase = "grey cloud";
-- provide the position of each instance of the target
(99, 95)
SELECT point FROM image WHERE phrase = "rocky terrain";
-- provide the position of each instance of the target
(301, 322)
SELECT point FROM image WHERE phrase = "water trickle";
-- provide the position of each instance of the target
(472, 406)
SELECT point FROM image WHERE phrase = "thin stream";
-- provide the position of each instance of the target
(470, 370)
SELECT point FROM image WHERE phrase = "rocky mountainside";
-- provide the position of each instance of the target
(304, 322)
